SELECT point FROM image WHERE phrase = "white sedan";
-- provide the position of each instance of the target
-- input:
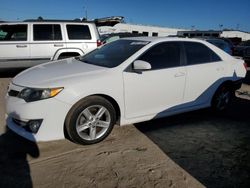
(126, 81)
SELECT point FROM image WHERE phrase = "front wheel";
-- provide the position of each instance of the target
(222, 98)
(91, 120)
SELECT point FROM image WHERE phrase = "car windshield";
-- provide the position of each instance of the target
(114, 53)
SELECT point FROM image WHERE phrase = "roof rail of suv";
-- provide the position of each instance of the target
(54, 20)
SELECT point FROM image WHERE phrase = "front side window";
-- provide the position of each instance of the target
(197, 53)
(114, 53)
(164, 55)
(78, 32)
(13, 32)
(46, 32)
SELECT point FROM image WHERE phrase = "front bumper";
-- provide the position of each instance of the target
(51, 111)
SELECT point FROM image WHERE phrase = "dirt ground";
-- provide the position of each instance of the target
(127, 158)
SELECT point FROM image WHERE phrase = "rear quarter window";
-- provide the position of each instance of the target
(78, 32)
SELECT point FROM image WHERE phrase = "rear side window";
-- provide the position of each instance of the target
(44, 32)
(78, 32)
(164, 55)
(198, 53)
(13, 32)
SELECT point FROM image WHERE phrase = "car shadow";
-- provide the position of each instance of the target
(14, 167)
(214, 148)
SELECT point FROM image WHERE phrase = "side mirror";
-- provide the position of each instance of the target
(140, 65)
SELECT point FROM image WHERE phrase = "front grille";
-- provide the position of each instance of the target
(13, 93)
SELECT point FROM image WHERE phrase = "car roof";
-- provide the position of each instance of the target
(159, 39)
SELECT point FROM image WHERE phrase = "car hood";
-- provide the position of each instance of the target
(56, 73)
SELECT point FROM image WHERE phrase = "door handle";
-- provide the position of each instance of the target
(220, 68)
(21, 46)
(58, 45)
(179, 74)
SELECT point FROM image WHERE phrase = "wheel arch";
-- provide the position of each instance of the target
(65, 51)
(228, 83)
(114, 103)
(108, 98)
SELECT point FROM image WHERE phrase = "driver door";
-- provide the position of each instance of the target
(157, 90)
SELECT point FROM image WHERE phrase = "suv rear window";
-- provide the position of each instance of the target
(46, 32)
(13, 32)
(78, 32)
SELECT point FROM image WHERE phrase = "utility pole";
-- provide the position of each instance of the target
(85, 10)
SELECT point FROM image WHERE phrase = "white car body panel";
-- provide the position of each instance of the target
(166, 94)
(140, 97)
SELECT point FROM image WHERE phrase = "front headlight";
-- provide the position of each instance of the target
(34, 94)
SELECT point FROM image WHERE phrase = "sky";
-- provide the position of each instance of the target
(186, 14)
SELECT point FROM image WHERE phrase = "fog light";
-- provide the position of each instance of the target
(34, 125)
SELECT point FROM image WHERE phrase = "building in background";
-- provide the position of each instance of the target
(142, 29)
(115, 24)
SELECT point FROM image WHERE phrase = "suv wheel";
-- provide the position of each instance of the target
(91, 120)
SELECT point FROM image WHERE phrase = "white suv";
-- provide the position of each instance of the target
(32, 42)
(125, 81)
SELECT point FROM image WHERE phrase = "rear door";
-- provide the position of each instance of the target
(155, 91)
(46, 40)
(205, 72)
(14, 44)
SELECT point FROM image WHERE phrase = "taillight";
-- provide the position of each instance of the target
(98, 43)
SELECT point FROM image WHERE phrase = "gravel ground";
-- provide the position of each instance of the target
(213, 148)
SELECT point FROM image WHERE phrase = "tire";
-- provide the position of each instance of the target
(90, 120)
(222, 98)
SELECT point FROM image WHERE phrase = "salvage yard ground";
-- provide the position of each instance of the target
(167, 152)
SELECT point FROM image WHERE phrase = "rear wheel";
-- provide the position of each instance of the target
(222, 98)
(91, 120)
(68, 55)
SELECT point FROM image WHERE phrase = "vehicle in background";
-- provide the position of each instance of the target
(115, 36)
(243, 49)
(32, 42)
(123, 82)
(222, 44)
